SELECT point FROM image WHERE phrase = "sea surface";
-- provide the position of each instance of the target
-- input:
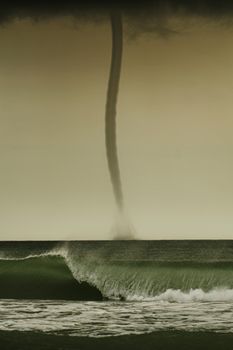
(108, 289)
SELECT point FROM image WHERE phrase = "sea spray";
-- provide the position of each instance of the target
(122, 228)
(171, 271)
(144, 280)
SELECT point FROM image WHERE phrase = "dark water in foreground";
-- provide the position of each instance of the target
(153, 341)
(115, 294)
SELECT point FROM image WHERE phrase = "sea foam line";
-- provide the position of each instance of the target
(221, 294)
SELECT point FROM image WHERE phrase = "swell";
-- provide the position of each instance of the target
(146, 281)
(44, 277)
(138, 280)
(88, 271)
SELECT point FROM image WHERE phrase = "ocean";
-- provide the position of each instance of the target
(116, 294)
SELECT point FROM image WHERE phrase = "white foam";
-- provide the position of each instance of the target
(222, 294)
(56, 252)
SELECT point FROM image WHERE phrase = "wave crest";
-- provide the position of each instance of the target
(177, 281)
(151, 280)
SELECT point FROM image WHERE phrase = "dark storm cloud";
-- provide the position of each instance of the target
(143, 10)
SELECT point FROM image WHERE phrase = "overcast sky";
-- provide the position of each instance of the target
(175, 129)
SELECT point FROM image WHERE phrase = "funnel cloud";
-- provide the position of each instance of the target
(152, 70)
(110, 113)
(143, 16)
(121, 228)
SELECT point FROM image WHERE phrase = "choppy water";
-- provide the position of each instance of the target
(101, 319)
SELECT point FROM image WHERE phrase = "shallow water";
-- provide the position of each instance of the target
(101, 319)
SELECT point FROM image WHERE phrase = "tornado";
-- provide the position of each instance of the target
(111, 110)
(122, 229)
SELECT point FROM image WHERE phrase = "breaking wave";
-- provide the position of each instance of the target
(113, 278)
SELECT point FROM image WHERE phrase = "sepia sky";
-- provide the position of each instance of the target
(174, 123)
